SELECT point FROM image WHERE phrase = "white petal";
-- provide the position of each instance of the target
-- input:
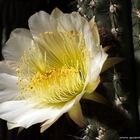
(11, 109)
(24, 113)
(89, 41)
(96, 65)
(12, 64)
(71, 22)
(56, 13)
(74, 22)
(8, 81)
(41, 22)
(20, 40)
(7, 95)
(4, 68)
(92, 85)
(47, 124)
(95, 68)
(95, 32)
(33, 116)
(8, 87)
(66, 108)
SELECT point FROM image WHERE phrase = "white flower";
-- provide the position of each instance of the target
(48, 69)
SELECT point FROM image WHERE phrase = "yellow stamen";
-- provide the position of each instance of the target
(55, 68)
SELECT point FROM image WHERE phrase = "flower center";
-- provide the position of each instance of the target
(54, 69)
(56, 86)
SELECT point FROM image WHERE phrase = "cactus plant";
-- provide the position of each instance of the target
(115, 16)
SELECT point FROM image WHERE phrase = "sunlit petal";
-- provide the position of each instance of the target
(20, 40)
(56, 13)
(41, 22)
(94, 30)
(56, 64)
(8, 87)
(4, 68)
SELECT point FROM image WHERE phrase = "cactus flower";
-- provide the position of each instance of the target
(47, 70)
